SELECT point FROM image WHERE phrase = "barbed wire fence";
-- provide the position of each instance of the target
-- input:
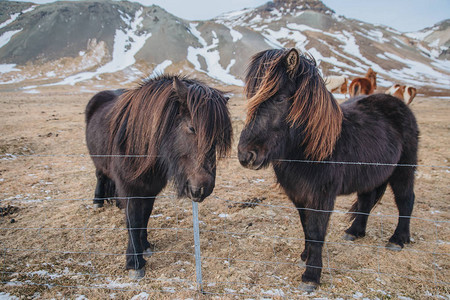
(236, 254)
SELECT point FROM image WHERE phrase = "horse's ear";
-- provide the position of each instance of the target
(227, 98)
(292, 61)
(180, 88)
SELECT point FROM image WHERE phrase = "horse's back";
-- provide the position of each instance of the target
(97, 127)
(388, 111)
(99, 100)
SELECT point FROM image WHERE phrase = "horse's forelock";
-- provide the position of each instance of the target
(265, 75)
(145, 115)
(211, 119)
(313, 106)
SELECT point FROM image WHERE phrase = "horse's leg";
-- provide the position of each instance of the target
(147, 209)
(135, 222)
(402, 183)
(100, 189)
(362, 208)
(316, 224)
(301, 211)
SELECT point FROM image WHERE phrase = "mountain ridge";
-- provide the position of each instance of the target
(84, 40)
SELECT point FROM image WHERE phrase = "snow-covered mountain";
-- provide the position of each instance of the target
(75, 42)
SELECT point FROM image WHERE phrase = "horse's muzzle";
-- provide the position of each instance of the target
(197, 192)
(249, 159)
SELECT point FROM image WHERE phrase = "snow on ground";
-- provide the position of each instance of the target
(376, 35)
(7, 296)
(15, 16)
(159, 69)
(6, 37)
(141, 296)
(9, 21)
(417, 73)
(211, 55)
(236, 35)
(420, 35)
(126, 44)
(6, 68)
(302, 27)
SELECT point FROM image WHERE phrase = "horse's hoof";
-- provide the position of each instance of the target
(393, 247)
(136, 274)
(147, 252)
(349, 237)
(308, 287)
(98, 205)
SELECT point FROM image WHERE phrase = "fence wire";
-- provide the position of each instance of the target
(214, 284)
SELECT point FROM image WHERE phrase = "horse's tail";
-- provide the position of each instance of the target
(99, 100)
(379, 194)
(355, 89)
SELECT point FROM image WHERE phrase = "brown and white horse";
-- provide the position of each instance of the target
(402, 92)
(364, 85)
(337, 84)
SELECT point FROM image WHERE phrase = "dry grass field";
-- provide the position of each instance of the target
(53, 244)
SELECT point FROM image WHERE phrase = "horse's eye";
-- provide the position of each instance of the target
(191, 129)
(280, 99)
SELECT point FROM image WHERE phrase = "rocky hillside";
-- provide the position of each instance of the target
(75, 42)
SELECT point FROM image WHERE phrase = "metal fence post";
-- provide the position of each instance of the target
(198, 259)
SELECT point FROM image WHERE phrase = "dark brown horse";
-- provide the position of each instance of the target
(166, 128)
(364, 85)
(294, 123)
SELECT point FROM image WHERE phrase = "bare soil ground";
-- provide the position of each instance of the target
(55, 245)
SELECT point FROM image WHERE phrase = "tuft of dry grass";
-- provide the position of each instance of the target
(251, 238)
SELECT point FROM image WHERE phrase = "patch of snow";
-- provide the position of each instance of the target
(256, 19)
(331, 60)
(50, 74)
(115, 284)
(258, 180)
(357, 295)
(435, 43)
(420, 35)
(236, 35)
(15, 16)
(376, 35)
(274, 292)
(169, 289)
(126, 44)
(417, 72)
(234, 14)
(7, 296)
(224, 215)
(212, 58)
(9, 21)
(156, 216)
(32, 92)
(6, 37)
(6, 68)
(301, 27)
(141, 296)
(159, 69)
(43, 273)
(350, 44)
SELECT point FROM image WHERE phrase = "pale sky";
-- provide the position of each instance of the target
(403, 15)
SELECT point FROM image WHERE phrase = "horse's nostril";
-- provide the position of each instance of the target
(251, 157)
